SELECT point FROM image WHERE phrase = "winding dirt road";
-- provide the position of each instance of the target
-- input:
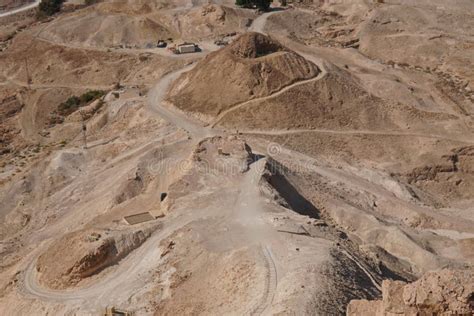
(458, 138)
(258, 25)
(21, 9)
(118, 286)
(156, 97)
(219, 118)
(128, 278)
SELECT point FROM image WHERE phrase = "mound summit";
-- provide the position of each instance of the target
(253, 66)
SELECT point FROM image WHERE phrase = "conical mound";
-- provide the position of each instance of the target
(251, 67)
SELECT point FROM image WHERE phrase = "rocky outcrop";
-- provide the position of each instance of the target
(450, 178)
(445, 292)
(82, 254)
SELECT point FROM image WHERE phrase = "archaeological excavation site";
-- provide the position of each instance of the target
(237, 157)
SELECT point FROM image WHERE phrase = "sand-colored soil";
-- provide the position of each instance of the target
(258, 66)
(323, 156)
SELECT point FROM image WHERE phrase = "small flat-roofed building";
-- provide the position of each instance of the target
(187, 48)
(138, 218)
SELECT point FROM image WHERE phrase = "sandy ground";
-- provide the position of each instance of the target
(259, 221)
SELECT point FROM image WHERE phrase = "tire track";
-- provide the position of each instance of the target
(366, 271)
(271, 282)
(222, 115)
(20, 9)
(459, 138)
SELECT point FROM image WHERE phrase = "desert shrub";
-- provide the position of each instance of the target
(73, 103)
(49, 7)
(69, 106)
(91, 96)
(244, 3)
(262, 5)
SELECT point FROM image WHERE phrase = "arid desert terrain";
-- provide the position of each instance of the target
(189, 157)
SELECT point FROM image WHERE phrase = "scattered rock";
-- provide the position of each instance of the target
(445, 292)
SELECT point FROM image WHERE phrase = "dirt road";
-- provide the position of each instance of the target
(21, 9)
(219, 118)
(258, 25)
(127, 279)
(459, 138)
(118, 286)
(156, 97)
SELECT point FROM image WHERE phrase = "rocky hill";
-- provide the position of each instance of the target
(444, 292)
(303, 158)
(253, 66)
